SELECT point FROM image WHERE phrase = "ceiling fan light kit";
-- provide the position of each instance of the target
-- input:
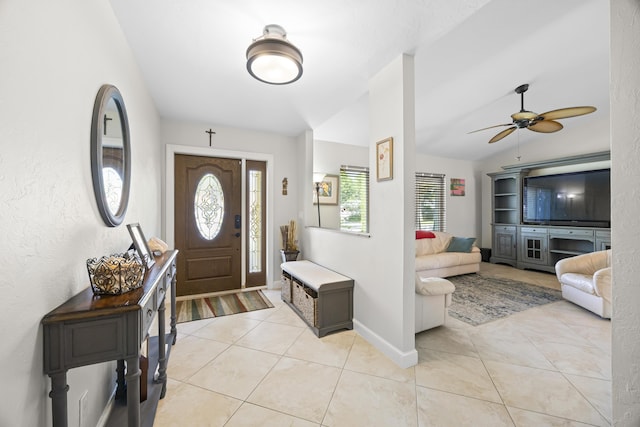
(542, 123)
(273, 59)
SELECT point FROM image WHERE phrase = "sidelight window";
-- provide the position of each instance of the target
(255, 221)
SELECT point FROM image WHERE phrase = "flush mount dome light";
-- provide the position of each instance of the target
(272, 59)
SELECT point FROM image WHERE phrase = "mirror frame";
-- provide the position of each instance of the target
(105, 94)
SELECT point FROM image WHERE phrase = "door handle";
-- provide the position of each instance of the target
(237, 222)
(237, 234)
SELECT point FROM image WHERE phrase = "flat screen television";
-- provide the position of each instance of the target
(581, 199)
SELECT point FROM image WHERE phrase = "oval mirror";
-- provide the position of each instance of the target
(110, 155)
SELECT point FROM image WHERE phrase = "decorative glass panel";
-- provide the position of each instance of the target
(255, 221)
(112, 188)
(209, 206)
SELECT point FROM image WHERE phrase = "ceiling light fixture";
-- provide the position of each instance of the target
(272, 59)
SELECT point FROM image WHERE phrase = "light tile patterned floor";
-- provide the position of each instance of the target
(547, 366)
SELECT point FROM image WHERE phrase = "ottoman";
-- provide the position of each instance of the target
(433, 296)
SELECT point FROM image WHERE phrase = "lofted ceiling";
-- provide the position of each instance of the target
(470, 55)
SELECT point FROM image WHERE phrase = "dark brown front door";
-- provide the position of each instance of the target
(207, 224)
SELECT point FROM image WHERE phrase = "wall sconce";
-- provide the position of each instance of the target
(317, 178)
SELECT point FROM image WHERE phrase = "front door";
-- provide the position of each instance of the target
(207, 224)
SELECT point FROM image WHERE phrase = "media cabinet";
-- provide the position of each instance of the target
(537, 247)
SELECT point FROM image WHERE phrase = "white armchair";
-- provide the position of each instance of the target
(586, 281)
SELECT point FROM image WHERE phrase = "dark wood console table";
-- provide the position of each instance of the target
(89, 329)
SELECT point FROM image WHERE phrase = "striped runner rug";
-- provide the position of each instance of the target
(221, 305)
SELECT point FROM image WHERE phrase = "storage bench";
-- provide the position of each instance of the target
(321, 297)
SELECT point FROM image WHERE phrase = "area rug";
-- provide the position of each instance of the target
(221, 305)
(479, 299)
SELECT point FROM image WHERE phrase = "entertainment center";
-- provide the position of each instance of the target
(540, 217)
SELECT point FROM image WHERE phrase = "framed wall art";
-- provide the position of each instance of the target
(328, 191)
(457, 186)
(384, 159)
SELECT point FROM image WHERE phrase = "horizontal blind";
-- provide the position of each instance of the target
(430, 202)
(354, 198)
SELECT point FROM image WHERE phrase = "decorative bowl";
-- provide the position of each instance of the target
(116, 274)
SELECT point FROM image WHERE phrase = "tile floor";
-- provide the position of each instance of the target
(547, 366)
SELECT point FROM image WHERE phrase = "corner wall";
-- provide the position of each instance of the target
(55, 56)
(625, 205)
(382, 265)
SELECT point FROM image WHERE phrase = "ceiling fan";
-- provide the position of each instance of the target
(544, 123)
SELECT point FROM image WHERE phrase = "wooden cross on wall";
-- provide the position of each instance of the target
(211, 133)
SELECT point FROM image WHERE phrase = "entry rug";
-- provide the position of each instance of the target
(221, 305)
(479, 299)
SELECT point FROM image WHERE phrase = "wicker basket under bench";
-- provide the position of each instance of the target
(321, 297)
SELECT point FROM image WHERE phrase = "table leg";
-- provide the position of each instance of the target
(58, 395)
(162, 351)
(121, 390)
(174, 331)
(133, 390)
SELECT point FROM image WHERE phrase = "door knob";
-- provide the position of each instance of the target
(237, 234)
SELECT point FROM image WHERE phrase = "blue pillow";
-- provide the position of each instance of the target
(461, 244)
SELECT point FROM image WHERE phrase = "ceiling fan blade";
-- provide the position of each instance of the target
(545, 126)
(502, 134)
(490, 127)
(565, 113)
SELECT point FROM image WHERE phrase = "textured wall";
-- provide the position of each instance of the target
(54, 57)
(625, 141)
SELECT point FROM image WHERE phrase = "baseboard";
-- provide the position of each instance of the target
(400, 358)
(104, 417)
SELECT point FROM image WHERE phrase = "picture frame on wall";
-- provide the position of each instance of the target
(140, 243)
(384, 159)
(328, 191)
(457, 187)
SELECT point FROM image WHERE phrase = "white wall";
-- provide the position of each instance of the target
(55, 56)
(625, 139)
(461, 218)
(382, 265)
(281, 148)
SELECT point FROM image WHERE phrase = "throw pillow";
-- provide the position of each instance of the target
(421, 234)
(461, 244)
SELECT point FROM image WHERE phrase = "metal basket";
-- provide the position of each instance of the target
(116, 274)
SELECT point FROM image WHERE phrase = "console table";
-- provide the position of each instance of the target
(89, 329)
(321, 297)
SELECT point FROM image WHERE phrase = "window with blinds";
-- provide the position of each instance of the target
(430, 202)
(354, 199)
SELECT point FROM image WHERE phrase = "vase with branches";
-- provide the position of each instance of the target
(289, 249)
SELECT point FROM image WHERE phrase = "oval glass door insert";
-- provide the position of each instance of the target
(209, 206)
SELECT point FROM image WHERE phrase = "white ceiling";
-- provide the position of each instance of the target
(469, 57)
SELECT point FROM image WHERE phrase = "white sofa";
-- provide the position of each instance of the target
(586, 281)
(433, 260)
(433, 264)
(433, 297)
